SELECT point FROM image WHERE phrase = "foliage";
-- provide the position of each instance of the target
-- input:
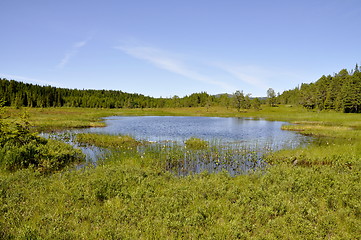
(256, 104)
(20, 148)
(245, 102)
(341, 92)
(18, 94)
(271, 97)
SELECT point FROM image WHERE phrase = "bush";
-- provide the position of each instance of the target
(20, 148)
(56, 155)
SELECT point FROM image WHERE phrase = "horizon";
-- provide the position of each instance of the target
(163, 49)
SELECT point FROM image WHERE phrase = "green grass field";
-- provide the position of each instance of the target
(305, 193)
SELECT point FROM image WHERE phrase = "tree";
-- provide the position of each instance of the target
(357, 70)
(247, 101)
(271, 97)
(238, 100)
(256, 103)
(225, 100)
(307, 97)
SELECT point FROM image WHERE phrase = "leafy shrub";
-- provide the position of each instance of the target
(56, 155)
(20, 148)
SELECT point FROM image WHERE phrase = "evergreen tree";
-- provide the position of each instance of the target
(341, 92)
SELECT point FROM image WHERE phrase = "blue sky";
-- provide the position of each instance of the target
(167, 47)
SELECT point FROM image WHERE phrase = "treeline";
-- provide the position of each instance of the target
(19, 94)
(340, 92)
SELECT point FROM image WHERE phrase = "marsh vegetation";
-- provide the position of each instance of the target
(303, 193)
(236, 145)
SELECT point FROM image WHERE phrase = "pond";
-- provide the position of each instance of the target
(225, 130)
(236, 144)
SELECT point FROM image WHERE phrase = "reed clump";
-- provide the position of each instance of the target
(108, 141)
(194, 143)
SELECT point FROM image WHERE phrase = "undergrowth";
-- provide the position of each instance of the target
(20, 148)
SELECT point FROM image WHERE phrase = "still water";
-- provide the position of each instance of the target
(225, 130)
(237, 144)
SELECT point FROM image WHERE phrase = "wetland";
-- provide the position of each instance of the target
(307, 191)
(187, 144)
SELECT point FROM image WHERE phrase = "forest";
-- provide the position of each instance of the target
(340, 92)
(19, 94)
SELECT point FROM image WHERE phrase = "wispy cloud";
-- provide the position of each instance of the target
(262, 78)
(252, 75)
(27, 79)
(167, 61)
(72, 52)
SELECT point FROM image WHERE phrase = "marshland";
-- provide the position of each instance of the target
(138, 189)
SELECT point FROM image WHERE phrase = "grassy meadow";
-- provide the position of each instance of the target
(305, 193)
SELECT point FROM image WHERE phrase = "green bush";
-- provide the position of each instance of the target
(56, 155)
(20, 148)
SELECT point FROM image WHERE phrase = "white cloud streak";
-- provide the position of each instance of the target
(72, 52)
(263, 78)
(163, 60)
(251, 75)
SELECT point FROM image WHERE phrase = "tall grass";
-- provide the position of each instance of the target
(194, 156)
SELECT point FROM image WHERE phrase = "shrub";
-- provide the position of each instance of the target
(20, 148)
(56, 155)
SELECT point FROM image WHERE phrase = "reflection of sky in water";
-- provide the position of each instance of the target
(239, 142)
(160, 128)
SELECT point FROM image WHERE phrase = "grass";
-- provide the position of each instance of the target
(196, 143)
(107, 141)
(336, 145)
(63, 118)
(306, 193)
(133, 200)
(194, 156)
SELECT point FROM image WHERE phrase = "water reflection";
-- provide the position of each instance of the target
(236, 144)
(162, 128)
